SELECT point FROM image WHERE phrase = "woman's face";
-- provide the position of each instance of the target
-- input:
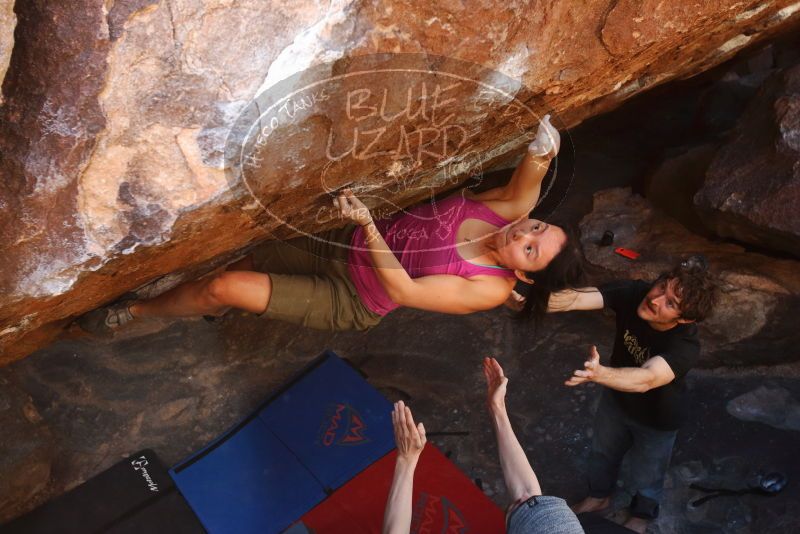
(529, 245)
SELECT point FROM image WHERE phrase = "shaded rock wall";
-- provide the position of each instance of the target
(755, 320)
(116, 115)
(720, 152)
(751, 190)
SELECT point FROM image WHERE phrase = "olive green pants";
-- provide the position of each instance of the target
(311, 285)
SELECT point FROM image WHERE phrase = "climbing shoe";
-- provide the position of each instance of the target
(105, 320)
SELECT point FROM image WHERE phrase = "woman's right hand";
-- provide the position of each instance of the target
(547, 142)
(352, 208)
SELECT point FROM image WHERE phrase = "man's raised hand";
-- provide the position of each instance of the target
(496, 383)
(590, 371)
(409, 438)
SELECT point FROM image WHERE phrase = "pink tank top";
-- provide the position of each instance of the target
(424, 241)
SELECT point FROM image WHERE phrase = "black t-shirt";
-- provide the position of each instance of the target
(635, 342)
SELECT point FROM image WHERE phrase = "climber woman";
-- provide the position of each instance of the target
(459, 255)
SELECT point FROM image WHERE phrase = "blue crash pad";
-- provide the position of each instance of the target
(313, 435)
(250, 482)
(334, 421)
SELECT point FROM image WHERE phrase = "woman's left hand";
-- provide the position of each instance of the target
(515, 301)
(351, 208)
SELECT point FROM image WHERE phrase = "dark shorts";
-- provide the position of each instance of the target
(545, 514)
(311, 285)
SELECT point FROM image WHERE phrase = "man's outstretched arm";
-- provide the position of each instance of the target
(521, 481)
(655, 372)
(410, 440)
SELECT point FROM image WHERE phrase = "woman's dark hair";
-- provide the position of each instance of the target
(566, 270)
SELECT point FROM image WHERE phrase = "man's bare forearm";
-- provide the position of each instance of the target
(397, 518)
(628, 379)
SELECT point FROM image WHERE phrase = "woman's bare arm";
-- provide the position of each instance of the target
(440, 293)
(519, 196)
(584, 298)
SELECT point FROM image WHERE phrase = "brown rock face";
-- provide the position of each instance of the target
(752, 188)
(757, 291)
(7, 23)
(116, 118)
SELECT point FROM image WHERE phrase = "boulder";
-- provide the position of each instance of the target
(753, 323)
(752, 187)
(771, 405)
(7, 23)
(119, 117)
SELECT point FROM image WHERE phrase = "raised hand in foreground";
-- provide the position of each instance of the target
(496, 383)
(410, 440)
(521, 482)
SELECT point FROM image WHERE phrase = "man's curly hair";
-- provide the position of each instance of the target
(695, 285)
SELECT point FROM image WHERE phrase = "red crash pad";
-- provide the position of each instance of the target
(444, 501)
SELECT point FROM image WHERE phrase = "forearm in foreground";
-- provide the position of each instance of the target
(521, 481)
(397, 518)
